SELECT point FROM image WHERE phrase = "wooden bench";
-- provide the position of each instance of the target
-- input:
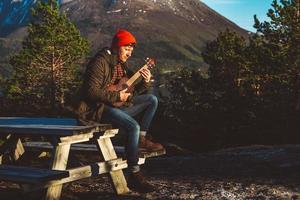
(30, 175)
(120, 150)
(64, 135)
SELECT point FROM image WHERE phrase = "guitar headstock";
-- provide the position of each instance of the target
(150, 62)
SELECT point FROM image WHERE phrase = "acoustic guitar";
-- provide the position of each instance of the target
(128, 84)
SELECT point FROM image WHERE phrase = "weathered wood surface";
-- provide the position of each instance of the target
(46, 126)
(117, 177)
(60, 161)
(30, 174)
(87, 171)
(37, 120)
(50, 130)
(64, 133)
(120, 150)
(12, 147)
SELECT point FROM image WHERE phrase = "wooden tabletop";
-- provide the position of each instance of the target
(47, 126)
(38, 120)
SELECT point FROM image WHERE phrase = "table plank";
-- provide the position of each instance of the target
(37, 120)
(61, 130)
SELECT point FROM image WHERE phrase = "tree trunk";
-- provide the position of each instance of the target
(298, 75)
(53, 87)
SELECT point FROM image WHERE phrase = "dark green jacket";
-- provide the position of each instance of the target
(94, 93)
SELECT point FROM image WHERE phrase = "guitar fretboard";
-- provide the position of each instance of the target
(130, 81)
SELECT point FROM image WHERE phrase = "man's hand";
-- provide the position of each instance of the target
(124, 95)
(146, 74)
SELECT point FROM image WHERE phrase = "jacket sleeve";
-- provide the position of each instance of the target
(95, 83)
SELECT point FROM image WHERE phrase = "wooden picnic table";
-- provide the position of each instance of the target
(61, 134)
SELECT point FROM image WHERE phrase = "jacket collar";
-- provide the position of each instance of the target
(111, 58)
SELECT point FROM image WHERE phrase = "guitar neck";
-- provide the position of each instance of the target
(130, 81)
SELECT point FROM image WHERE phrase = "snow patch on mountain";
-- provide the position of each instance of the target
(65, 1)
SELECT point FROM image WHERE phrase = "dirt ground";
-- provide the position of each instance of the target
(250, 173)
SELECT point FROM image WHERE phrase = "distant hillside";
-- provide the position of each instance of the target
(172, 31)
(169, 30)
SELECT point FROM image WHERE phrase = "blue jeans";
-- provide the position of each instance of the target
(123, 119)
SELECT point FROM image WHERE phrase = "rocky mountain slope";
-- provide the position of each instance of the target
(169, 30)
(172, 31)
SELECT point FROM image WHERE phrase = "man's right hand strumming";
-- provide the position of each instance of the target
(124, 95)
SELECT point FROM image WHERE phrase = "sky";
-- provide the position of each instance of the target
(241, 12)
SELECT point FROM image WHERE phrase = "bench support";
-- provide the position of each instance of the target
(117, 177)
(60, 161)
(63, 137)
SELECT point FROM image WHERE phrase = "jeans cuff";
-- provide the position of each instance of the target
(134, 168)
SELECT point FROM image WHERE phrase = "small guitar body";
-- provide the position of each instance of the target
(121, 85)
(129, 83)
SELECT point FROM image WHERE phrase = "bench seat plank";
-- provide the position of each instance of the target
(29, 174)
(87, 148)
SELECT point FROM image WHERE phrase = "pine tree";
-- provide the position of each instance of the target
(226, 59)
(282, 37)
(46, 67)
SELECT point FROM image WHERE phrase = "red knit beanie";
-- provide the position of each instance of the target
(123, 38)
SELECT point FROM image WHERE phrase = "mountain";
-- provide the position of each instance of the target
(16, 13)
(172, 31)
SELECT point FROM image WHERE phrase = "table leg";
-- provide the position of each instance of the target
(60, 162)
(117, 177)
(13, 145)
(4, 146)
(19, 149)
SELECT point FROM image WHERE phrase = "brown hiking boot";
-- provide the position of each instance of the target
(137, 182)
(148, 145)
